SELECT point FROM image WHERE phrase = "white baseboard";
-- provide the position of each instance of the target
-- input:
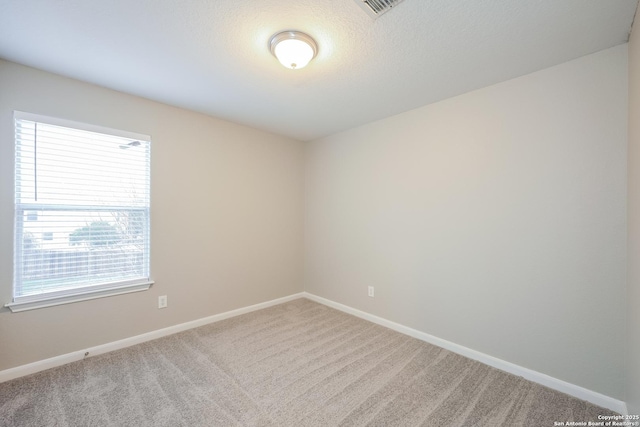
(32, 368)
(531, 375)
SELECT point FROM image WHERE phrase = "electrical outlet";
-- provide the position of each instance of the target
(162, 301)
(371, 294)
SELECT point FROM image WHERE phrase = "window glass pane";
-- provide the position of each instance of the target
(67, 166)
(82, 209)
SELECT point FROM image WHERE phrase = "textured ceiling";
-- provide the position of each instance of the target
(211, 56)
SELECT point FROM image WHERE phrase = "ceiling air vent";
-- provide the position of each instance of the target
(375, 8)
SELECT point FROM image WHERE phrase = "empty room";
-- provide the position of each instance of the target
(319, 213)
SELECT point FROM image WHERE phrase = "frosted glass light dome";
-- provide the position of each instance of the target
(293, 49)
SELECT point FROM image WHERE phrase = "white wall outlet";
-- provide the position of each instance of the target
(371, 294)
(162, 301)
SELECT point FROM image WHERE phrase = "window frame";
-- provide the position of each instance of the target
(86, 292)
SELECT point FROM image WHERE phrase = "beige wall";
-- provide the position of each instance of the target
(495, 220)
(227, 213)
(633, 286)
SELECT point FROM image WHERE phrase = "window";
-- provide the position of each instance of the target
(81, 212)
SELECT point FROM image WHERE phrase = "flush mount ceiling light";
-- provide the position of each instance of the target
(293, 49)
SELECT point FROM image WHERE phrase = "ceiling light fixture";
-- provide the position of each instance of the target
(293, 49)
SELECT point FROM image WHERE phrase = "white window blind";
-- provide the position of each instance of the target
(82, 198)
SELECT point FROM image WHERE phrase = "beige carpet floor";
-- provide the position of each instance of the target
(295, 364)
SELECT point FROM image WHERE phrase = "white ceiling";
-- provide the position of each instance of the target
(211, 56)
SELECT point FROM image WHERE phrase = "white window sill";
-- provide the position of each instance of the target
(34, 302)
